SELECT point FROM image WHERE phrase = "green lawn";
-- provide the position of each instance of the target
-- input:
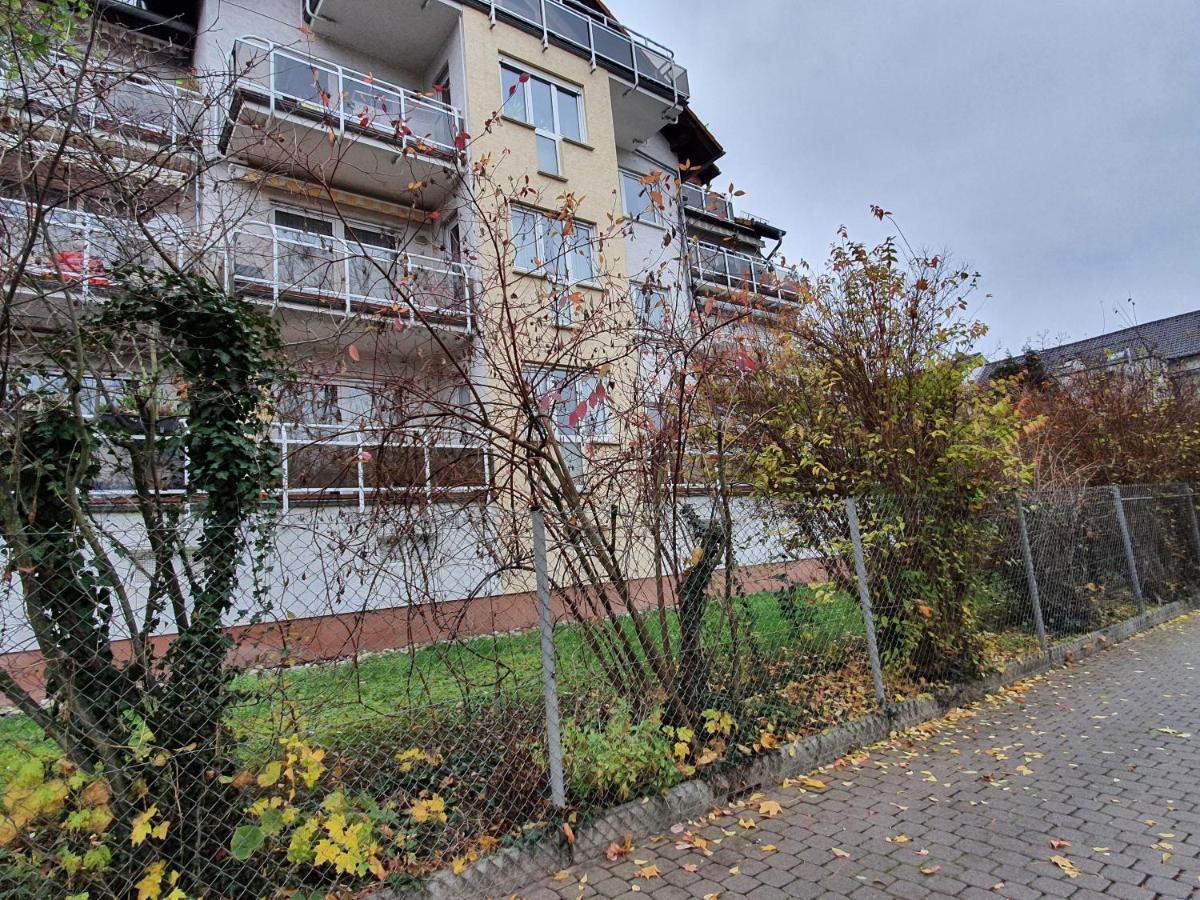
(394, 688)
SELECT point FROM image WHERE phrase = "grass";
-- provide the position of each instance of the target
(389, 690)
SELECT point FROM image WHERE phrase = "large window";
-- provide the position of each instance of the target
(561, 250)
(639, 200)
(554, 110)
(576, 402)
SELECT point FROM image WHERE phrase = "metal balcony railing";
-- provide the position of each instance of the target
(129, 105)
(354, 464)
(713, 203)
(716, 266)
(349, 101)
(297, 267)
(717, 204)
(606, 42)
(80, 250)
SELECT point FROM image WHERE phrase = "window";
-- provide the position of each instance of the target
(554, 110)
(652, 307)
(558, 249)
(638, 203)
(577, 404)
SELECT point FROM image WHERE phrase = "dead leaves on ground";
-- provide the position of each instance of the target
(1066, 865)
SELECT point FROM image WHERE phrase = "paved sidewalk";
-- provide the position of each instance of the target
(1096, 765)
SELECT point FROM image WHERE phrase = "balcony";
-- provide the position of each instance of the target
(729, 271)
(80, 252)
(302, 270)
(295, 114)
(344, 464)
(129, 114)
(717, 205)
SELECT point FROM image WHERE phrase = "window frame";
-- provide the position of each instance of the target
(529, 118)
(544, 267)
(657, 217)
(640, 291)
(552, 379)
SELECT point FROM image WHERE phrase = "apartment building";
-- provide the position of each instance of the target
(389, 177)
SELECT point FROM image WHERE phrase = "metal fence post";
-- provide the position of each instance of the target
(1123, 524)
(558, 794)
(1035, 597)
(864, 597)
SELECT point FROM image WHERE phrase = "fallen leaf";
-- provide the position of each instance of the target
(770, 809)
(1066, 865)
(769, 848)
(690, 867)
(747, 823)
(930, 870)
(568, 833)
(1059, 845)
(899, 839)
(562, 875)
(839, 853)
(998, 886)
(648, 872)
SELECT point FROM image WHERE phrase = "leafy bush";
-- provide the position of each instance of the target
(618, 759)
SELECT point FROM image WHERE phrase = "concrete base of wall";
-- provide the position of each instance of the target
(514, 868)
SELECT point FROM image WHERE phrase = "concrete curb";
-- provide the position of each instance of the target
(513, 868)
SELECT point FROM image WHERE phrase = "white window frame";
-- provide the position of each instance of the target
(561, 306)
(595, 429)
(650, 214)
(556, 135)
(639, 290)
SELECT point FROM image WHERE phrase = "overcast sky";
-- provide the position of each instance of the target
(1053, 145)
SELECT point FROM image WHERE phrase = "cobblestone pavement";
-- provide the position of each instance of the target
(1096, 766)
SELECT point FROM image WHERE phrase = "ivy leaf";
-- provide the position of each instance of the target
(247, 840)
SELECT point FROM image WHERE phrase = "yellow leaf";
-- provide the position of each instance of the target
(746, 823)
(141, 826)
(159, 831)
(899, 839)
(648, 872)
(770, 809)
(769, 848)
(270, 774)
(562, 875)
(1066, 865)
(150, 887)
(804, 781)
(459, 865)
(433, 808)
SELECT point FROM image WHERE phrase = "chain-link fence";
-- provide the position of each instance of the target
(407, 689)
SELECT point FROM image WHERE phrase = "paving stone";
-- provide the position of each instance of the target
(1103, 775)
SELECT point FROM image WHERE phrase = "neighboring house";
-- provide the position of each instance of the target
(370, 103)
(1173, 344)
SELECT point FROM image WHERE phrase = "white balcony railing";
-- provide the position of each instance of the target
(297, 267)
(82, 251)
(131, 106)
(351, 102)
(348, 464)
(727, 269)
(644, 62)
